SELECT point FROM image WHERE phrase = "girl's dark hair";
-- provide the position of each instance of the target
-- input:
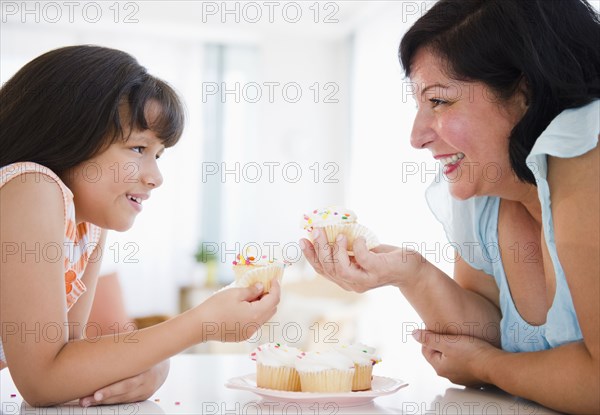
(62, 108)
(552, 45)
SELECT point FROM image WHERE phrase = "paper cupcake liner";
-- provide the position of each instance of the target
(263, 274)
(362, 377)
(351, 231)
(327, 381)
(278, 378)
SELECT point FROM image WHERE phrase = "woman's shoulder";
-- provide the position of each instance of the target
(571, 133)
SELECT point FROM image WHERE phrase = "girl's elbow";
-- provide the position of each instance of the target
(39, 394)
(38, 398)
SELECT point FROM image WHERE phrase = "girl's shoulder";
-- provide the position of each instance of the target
(32, 182)
(12, 171)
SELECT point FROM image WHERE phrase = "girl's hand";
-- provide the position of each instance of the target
(134, 389)
(461, 359)
(235, 314)
(384, 265)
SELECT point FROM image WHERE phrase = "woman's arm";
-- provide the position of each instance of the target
(566, 378)
(571, 374)
(443, 304)
(48, 368)
(464, 305)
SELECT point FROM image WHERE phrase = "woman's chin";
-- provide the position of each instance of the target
(461, 192)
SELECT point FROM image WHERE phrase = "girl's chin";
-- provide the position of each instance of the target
(119, 226)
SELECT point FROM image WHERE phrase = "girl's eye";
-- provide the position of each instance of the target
(138, 149)
(436, 102)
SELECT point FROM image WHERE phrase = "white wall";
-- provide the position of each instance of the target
(365, 134)
(169, 39)
(384, 195)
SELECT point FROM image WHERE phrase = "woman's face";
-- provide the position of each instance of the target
(466, 128)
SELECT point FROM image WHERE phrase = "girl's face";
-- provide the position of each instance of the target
(466, 128)
(110, 188)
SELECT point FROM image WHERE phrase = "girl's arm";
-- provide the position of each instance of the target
(79, 314)
(48, 368)
(442, 303)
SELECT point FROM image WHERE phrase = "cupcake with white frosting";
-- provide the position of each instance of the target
(275, 367)
(364, 358)
(328, 371)
(249, 271)
(336, 220)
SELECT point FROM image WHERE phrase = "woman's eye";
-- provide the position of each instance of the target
(436, 102)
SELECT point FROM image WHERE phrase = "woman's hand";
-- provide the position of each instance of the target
(460, 358)
(383, 265)
(134, 389)
(235, 314)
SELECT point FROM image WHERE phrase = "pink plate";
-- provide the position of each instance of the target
(380, 386)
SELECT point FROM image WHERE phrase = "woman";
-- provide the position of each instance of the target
(507, 94)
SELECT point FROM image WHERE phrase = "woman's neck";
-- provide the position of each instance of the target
(526, 194)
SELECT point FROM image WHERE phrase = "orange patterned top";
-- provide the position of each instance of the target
(80, 240)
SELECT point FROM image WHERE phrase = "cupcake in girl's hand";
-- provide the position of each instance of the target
(275, 367)
(364, 359)
(249, 271)
(328, 371)
(337, 220)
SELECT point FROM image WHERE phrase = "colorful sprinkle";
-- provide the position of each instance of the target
(13, 395)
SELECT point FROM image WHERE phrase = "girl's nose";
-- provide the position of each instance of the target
(152, 176)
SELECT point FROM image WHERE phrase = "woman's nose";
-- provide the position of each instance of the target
(422, 134)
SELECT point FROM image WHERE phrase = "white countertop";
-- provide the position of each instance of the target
(196, 385)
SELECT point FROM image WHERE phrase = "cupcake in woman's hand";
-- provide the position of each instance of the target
(328, 371)
(364, 358)
(275, 367)
(249, 271)
(337, 220)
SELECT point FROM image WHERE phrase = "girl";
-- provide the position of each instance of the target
(82, 129)
(513, 85)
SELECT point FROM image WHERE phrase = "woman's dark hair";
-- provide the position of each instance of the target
(552, 45)
(62, 108)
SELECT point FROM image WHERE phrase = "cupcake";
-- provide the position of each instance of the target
(249, 271)
(337, 220)
(328, 371)
(275, 367)
(364, 359)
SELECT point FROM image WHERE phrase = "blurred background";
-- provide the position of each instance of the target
(291, 106)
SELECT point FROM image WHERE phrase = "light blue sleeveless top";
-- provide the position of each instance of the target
(472, 227)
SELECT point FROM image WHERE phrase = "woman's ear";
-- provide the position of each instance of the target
(522, 93)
